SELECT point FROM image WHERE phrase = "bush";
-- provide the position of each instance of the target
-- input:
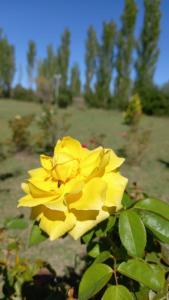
(65, 98)
(50, 128)
(20, 133)
(133, 111)
(21, 93)
(155, 101)
(44, 90)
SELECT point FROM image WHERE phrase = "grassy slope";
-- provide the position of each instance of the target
(151, 175)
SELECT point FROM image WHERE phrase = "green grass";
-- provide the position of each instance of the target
(151, 175)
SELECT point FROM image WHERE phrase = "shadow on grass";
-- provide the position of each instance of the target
(164, 162)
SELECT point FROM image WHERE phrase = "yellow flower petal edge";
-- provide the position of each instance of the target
(75, 189)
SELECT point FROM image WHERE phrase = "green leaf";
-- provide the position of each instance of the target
(150, 275)
(127, 201)
(158, 225)
(95, 251)
(93, 280)
(143, 293)
(87, 237)
(117, 292)
(16, 223)
(102, 257)
(157, 206)
(130, 228)
(105, 226)
(110, 223)
(37, 236)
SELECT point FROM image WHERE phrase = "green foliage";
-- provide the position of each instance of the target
(94, 279)
(151, 275)
(16, 223)
(134, 111)
(90, 60)
(147, 47)
(64, 98)
(7, 64)
(31, 57)
(125, 46)
(21, 93)
(136, 263)
(44, 90)
(51, 128)
(48, 125)
(36, 236)
(105, 65)
(155, 101)
(63, 57)
(130, 227)
(117, 292)
(20, 134)
(75, 83)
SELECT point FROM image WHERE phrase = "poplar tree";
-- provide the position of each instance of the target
(125, 46)
(147, 46)
(90, 61)
(7, 64)
(75, 83)
(105, 65)
(31, 58)
(63, 58)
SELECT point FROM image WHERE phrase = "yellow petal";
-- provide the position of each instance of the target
(93, 196)
(43, 186)
(65, 170)
(68, 145)
(114, 161)
(25, 187)
(82, 226)
(55, 225)
(91, 161)
(73, 189)
(57, 204)
(46, 162)
(36, 212)
(116, 185)
(38, 173)
(29, 201)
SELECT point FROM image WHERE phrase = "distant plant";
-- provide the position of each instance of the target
(51, 127)
(20, 132)
(21, 93)
(7, 64)
(133, 112)
(155, 100)
(64, 98)
(44, 90)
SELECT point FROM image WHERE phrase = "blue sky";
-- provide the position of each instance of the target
(45, 20)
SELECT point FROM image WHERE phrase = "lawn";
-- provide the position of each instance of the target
(152, 175)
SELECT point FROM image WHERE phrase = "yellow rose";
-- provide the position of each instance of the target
(75, 189)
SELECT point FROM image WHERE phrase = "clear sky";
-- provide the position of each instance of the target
(45, 20)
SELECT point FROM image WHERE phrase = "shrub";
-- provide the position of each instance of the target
(155, 101)
(44, 90)
(20, 133)
(133, 111)
(50, 127)
(21, 93)
(64, 98)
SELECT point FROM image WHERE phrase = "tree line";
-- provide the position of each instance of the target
(116, 66)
